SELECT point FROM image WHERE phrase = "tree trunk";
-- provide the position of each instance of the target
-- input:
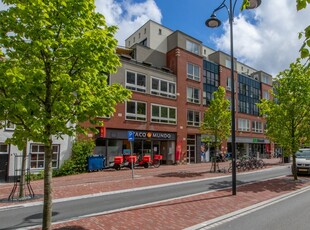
(294, 169)
(47, 207)
(23, 172)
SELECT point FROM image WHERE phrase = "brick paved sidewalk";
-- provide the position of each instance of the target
(175, 214)
(111, 180)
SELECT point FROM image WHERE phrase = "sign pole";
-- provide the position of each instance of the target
(131, 138)
(132, 171)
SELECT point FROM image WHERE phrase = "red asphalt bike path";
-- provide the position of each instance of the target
(177, 213)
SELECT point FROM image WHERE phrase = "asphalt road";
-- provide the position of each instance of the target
(20, 217)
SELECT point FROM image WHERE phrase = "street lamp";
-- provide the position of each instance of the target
(213, 22)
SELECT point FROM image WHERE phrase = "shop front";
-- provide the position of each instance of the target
(114, 142)
(251, 147)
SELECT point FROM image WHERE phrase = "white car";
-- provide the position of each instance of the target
(303, 161)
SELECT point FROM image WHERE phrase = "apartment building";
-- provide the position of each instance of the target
(172, 76)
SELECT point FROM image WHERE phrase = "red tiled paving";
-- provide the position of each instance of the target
(175, 214)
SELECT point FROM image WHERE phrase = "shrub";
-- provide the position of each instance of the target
(77, 163)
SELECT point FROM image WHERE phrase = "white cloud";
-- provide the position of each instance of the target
(272, 43)
(128, 15)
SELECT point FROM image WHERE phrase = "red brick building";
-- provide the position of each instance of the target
(172, 77)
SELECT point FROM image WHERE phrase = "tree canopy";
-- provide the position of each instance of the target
(54, 72)
(217, 118)
(288, 115)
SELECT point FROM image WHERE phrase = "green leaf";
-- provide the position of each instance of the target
(304, 53)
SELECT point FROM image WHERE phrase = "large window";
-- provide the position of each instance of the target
(37, 156)
(163, 114)
(193, 95)
(210, 81)
(243, 125)
(163, 88)
(193, 118)
(136, 110)
(135, 81)
(249, 95)
(192, 47)
(193, 72)
(257, 127)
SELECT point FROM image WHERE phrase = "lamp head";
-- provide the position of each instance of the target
(254, 4)
(213, 22)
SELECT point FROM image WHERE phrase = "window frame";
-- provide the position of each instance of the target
(192, 75)
(192, 47)
(135, 116)
(257, 127)
(193, 122)
(160, 92)
(41, 154)
(191, 98)
(9, 126)
(162, 119)
(243, 125)
(135, 87)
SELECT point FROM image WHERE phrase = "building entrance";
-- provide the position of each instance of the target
(4, 160)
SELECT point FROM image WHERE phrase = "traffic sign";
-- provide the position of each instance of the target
(131, 135)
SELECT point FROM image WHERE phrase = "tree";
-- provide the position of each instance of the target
(288, 115)
(58, 57)
(217, 120)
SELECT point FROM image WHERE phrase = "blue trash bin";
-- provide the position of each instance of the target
(95, 163)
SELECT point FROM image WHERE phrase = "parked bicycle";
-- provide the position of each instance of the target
(244, 164)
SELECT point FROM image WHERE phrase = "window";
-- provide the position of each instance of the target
(243, 125)
(163, 88)
(163, 114)
(3, 148)
(192, 47)
(135, 81)
(257, 127)
(193, 95)
(229, 98)
(136, 110)
(37, 156)
(265, 79)
(266, 95)
(144, 42)
(228, 84)
(9, 126)
(193, 118)
(228, 63)
(159, 31)
(193, 72)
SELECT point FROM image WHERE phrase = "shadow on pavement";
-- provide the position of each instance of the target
(73, 227)
(182, 174)
(275, 185)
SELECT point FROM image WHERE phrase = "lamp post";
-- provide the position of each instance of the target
(213, 22)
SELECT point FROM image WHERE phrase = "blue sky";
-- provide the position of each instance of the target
(265, 38)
